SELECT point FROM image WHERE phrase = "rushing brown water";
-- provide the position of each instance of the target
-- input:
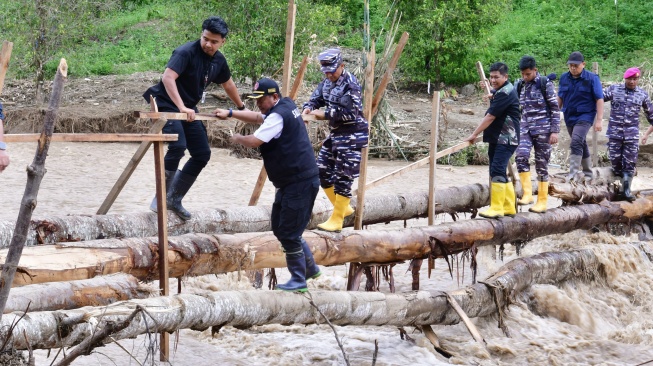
(606, 322)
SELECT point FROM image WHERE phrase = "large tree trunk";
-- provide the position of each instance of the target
(35, 173)
(245, 309)
(573, 193)
(98, 291)
(378, 209)
(199, 254)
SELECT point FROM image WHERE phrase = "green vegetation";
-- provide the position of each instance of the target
(446, 37)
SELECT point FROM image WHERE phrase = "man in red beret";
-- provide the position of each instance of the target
(626, 100)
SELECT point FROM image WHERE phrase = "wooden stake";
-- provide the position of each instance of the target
(367, 111)
(468, 323)
(435, 118)
(287, 57)
(595, 135)
(388, 73)
(298, 81)
(417, 164)
(162, 223)
(5, 55)
(133, 163)
(35, 173)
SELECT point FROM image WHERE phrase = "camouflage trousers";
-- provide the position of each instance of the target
(623, 155)
(339, 161)
(540, 143)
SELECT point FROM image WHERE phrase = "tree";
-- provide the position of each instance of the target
(446, 35)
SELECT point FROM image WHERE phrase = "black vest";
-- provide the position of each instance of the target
(289, 158)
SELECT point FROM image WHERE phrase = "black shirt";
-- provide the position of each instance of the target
(504, 106)
(196, 70)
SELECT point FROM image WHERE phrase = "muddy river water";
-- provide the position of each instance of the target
(609, 322)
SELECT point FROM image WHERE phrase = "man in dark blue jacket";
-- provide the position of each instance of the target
(580, 97)
(290, 162)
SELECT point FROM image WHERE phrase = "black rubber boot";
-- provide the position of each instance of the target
(181, 183)
(312, 270)
(297, 266)
(169, 175)
(626, 183)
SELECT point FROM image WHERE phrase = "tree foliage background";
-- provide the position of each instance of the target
(446, 36)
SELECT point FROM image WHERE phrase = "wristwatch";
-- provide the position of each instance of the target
(241, 108)
(3, 146)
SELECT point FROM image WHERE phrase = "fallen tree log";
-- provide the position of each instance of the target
(582, 193)
(200, 254)
(245, 309)
(378, 209)
(98, 291)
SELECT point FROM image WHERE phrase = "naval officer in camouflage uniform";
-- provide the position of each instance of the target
(623, 128)
(340, 156)
(500, 127)
(539, 127)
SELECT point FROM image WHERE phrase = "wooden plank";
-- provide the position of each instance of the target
(420, 163)
(162, 224)
(595, 135)
(93, 137)
(367, 112)
(5, 55)
(198, 116)
(435, 118)
(133, 163)
(290, 41)
(388, 73)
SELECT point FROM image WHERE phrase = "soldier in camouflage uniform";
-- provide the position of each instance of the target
(623, 128)
(539, 127)
(500, 127)
(340, 156)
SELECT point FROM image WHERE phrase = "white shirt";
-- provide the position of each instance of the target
(271, 127)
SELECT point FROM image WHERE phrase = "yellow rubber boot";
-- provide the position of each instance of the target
(338, 216)
(331, 195)
(509, 202)
(496, 204)
(527, 185)
(542, 196)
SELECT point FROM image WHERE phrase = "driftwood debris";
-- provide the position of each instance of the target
(581, 193)
(245, 309)
(378, 209)
(35, 173)
(199, 254)
(97, 291)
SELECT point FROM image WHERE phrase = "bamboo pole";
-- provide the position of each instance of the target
(5, 55)
(35, 173)
(595, 135)
(435, 120)
(211, 117)
(418, 164)
(367, 111)
(388, 73)
(93, 137)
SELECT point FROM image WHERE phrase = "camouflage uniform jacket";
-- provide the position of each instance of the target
(344, 107)
(624, 111)
(536, 118)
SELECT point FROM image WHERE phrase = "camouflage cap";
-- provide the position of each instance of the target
(330, 60)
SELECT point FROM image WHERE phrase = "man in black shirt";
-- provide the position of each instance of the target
(500, 128)
(190, 69)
